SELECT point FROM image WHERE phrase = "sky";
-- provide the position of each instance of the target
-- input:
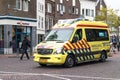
(113, 4)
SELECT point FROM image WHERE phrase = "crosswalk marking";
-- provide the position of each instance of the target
(62, 77)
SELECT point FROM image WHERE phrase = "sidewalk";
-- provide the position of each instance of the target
(116, 54)
(11, 55)
(8, 55)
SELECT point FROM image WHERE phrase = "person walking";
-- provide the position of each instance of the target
(114, 41)
(14, 45)
(24, 47)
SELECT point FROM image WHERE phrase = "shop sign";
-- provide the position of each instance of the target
(22, 23)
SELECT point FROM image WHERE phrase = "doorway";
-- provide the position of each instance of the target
(20, 33)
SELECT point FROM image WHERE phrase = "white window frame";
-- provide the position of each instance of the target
(40, 7)
(73, 2)
(92, 13)
(58, 8)
(50, 23)
(49, 8)
(42, 22)
(19, 4)
(25, 5)
(39, 23)
(47, 23)
(76, 11)
(61, 1)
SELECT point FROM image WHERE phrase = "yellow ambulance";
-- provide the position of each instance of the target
(74, 41)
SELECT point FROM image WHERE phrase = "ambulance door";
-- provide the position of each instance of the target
(78, 46)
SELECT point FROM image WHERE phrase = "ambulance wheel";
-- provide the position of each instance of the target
(69, 61)
(43, 65)
(103, 56)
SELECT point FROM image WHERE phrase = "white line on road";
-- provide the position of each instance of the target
(50, 75)
(56, 75)
(86, 77)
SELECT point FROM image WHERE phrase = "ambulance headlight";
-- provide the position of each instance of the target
(58, 50)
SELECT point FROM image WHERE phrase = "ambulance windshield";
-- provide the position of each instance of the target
(59, 35)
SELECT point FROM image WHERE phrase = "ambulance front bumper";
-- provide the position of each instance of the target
(50, 59)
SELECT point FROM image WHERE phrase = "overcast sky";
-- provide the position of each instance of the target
(114, 4)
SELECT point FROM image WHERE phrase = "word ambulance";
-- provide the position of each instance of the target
(74, 41)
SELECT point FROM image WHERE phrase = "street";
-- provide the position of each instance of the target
(14, 69)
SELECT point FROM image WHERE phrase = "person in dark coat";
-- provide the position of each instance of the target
(14, 45)
(24, 47)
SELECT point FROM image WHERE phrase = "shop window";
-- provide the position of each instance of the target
(1, 37)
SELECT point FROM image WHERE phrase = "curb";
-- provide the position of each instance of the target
(12, 56)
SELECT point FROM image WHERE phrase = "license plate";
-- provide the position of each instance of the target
(43, 60)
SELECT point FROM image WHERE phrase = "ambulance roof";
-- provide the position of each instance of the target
(73, 23)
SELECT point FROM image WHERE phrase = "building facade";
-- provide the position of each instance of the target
(17, 20)
(92, 9)
(67, 9)
(88, 11)
(40, 20)
(100, 4)
(60, 9)
(49, 14)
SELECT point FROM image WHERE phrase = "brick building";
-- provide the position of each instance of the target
(17, 19)
(60, 9)
(99, 5)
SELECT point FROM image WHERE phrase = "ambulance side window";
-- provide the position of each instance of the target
(77, 35)
(90, 34)
(96, 35)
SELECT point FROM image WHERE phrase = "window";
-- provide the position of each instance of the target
(102, 35)
(61, 1)
(49, 7)
(83, 13)
(57, 7)
(87, 12)
(50, 22)
(77, 36)
(40, 22)
(96, 34)
(92, 13)
(1, 37)
(40, 7)
(25, 5)
(57, 35)
(19, 4)
(47, 23)
(74, 10)
(61, 8)
(73, 2)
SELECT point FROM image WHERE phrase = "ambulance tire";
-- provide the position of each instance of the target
(103, 56)
(43, 65)
(69, 61)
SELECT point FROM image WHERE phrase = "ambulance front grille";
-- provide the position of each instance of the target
(45, 51)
